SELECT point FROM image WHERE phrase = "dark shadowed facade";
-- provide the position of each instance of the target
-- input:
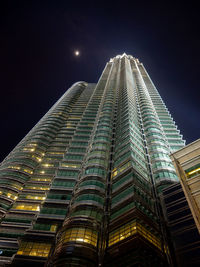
(182, 205)
(182, 228)
(82, 187)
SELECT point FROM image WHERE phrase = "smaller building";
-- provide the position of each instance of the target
(187, 164)
(183, 234)
(181, 203)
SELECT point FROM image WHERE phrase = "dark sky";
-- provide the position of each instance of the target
(37, 64)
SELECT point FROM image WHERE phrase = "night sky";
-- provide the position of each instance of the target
(37, 62)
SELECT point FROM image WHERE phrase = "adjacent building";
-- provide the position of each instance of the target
(82, 188)
(182, 205)
(187, 164)
(182, 231)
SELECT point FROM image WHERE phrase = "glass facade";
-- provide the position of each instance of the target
(84, 182)
(182, 228)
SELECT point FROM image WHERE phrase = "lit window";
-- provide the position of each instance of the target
(28, 170)
(56, 153)
(71, 165)
(12, 196)
(193, 171)
(81, 235)
(32, 144)
(9, 195)
(121, 169)
(44, 188)
(74, 117)
(15, 167)
(17, 186)
(41, 179)
(45, 227)
(37, 158)
(34, 249)
(53, 228)
(47, 165)
(29, 149)
(24, 206)
(36, 197)
(130, 229)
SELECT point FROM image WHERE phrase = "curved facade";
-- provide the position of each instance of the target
(81, 188)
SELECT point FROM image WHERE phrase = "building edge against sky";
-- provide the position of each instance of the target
(81, 187)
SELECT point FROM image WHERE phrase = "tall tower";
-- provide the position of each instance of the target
(82, 187)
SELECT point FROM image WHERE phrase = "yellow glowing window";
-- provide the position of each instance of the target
(17, 186)
(9, 195)
(29, 149)
(130, 229)
(121, 169)
(56, 153)
(115, 172)
(28, 170)
(47, 165)
(149, 236)
(41, 179)
(44, 188)
(26, 207)
(166, 249)
(71, 165)
(193, 171)
(53, 228)
(31, 144)
(34, 249)
(36, 197)
(37, 158)
(15, 167)
(12, 196)
(122, 233)
(81, 235)
(74, 117)
(38, 152)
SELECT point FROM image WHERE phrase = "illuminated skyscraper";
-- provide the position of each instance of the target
(82, 187)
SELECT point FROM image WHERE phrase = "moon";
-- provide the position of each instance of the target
(76, 53)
